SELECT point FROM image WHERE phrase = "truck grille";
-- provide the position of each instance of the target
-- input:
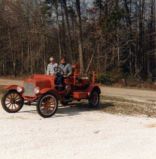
(29, 89)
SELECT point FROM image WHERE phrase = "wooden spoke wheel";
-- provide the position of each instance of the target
(12, 102)
(94, 99)
(47, 105)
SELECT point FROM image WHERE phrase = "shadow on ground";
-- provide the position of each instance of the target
(113, 107)
(77, 108)
(72, 109)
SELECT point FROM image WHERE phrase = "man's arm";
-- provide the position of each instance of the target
(69, 70)
(56, 64)
(48, 70)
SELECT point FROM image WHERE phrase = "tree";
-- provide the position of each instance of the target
(78, 10)
(108, 36)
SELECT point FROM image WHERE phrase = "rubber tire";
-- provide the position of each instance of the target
(39, 102)
(90, 100)
(4, 98)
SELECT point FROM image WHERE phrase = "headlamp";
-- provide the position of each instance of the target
(19, 89)
(36, 90)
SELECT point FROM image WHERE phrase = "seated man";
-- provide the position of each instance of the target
(51, 66)
(66, 67)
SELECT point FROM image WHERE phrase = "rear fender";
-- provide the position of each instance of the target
(93, 88)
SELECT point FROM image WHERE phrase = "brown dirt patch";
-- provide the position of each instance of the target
(127, 107)
(151, 126)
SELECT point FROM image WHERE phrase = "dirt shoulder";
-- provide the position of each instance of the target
(121, 106)
(131, 102)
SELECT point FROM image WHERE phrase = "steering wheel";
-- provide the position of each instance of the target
(58, 70)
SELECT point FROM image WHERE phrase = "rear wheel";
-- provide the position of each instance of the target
(47, 105)
(94, 99)
(12, 102)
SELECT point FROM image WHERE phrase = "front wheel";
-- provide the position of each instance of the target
(47, 105)
(94, 99)
(12, 102)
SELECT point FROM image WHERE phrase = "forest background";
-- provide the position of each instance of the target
(115, 38)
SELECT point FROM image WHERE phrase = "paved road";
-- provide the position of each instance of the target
(74, 133)
(139, 95)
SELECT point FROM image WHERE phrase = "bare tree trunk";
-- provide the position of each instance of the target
(58, 32)
(44, 53)
(68, 29)
(12, 53)
(80, 36)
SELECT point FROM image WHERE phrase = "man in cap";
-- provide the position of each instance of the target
(51, 66)
(66, 67)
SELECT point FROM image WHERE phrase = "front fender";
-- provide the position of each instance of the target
(48, 90)
(10, 87)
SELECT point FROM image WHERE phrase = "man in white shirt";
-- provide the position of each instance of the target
(51, 66)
